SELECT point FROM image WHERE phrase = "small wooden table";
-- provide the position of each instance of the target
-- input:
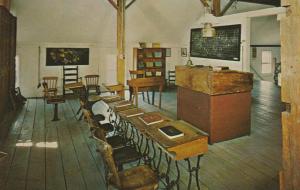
(55, 100)
(147, 84)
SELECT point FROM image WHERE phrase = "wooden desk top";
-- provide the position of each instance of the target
(117, 108)
(146, 82)
(55, 100)
(208, 81)
(74, 85)
(134, 112)
(110, 99)
(193, 138)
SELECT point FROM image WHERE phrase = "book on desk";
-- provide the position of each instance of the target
(134, 112)
(151, 118)
(171, 132)
(123, 104)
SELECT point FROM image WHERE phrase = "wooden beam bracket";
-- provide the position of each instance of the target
(129, 4)
(227, 6)
(113, 3)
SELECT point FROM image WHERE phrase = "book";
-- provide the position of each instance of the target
(123, 104)
(171, 132)
(133, 112)
(151, 118)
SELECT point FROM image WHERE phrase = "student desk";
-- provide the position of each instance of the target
(151, 142)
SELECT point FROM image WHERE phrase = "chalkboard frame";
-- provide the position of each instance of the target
(236, 26)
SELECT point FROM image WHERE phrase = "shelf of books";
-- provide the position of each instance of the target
(151, 60)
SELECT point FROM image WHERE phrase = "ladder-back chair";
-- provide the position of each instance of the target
(92, 83)
(50, 86)
(139, 177)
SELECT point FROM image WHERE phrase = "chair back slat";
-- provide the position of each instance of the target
(92, 80)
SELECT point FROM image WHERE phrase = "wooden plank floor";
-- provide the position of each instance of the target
(60, 155)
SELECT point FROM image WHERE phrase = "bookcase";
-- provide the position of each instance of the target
(151, 60)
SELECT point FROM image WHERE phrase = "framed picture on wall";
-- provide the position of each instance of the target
(168, 52)
(183, 52)
(67, 56)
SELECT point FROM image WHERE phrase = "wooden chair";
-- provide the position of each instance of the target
(139, 177)
(81, 92)
(134, 74)
(123, 152)
(92, 82)
(50, 86)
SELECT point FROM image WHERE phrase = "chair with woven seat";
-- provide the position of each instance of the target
(136, 178)
(50, 86)
(92, 83)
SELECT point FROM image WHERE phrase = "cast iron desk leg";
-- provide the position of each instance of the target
(55, 118)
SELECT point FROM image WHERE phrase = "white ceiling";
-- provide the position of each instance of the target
(94, 21)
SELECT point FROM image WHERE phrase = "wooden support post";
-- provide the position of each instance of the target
(290, 48)
(204, 2)
(227, 6)
(5, 3)
(216, 7)
(121, 43)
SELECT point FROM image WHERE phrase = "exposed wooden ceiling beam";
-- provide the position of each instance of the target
(227, 6)
(129, 4)
(113, 3)
(216, 7)
(204, 2)
(266, 2)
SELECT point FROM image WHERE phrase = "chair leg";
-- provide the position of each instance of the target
(81, 116)
(143, 96)
(148, 97)
(78, 111)
(98, 90)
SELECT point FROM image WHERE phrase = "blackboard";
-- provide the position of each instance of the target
(225, 45)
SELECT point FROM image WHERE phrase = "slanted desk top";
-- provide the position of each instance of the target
(194, 139)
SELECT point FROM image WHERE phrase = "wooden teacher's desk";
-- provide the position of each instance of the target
(217, 102)
(146, 84)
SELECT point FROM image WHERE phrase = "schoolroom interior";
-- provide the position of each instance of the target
(149, 94)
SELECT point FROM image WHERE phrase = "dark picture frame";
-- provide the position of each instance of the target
(183, 52)
(67, 56)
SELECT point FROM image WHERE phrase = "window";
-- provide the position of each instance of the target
(266, 62)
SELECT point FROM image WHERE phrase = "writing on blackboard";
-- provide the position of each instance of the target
(225, 45)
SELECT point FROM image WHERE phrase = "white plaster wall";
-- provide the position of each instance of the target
(92, 24)
(265, 31)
